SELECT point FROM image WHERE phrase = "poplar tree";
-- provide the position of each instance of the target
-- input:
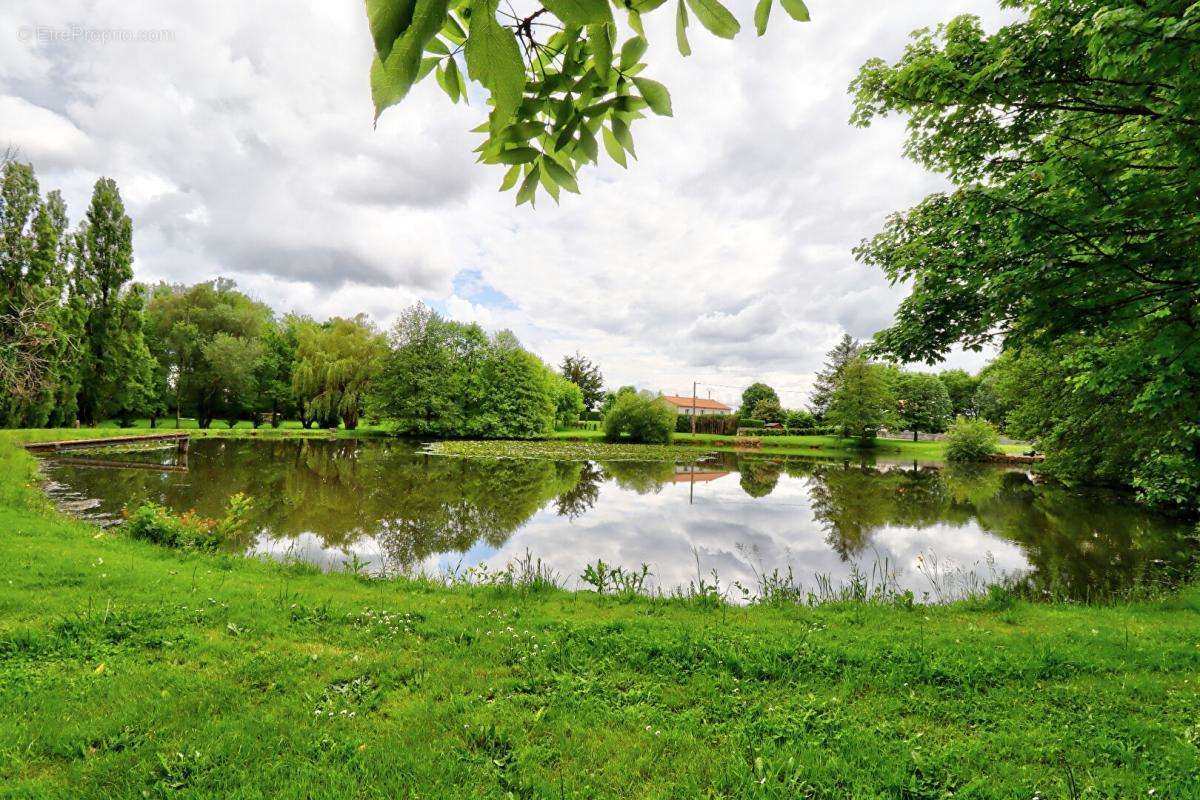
(116, 372)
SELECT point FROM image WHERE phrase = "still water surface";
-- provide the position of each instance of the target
(939, 531)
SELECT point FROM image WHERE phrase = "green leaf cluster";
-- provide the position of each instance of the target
(560, 83)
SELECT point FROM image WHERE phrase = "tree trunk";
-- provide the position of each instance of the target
(915, 435)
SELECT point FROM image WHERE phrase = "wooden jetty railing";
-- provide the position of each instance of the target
(180, 438)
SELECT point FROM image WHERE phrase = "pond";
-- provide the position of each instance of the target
(389, 507)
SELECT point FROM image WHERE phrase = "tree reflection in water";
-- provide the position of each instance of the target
(416, 505)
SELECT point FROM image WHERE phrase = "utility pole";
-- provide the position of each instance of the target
(693, 408)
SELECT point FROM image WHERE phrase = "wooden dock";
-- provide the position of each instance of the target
(100, 463)
(180, 438)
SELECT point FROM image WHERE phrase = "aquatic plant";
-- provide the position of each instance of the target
(154, 523)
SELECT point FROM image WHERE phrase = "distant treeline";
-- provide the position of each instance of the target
(80, 341)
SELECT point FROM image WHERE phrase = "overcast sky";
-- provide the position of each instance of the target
(240, 135)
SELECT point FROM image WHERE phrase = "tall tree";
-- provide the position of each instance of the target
(423, 377)
(756, 393)
(568, 402)
(335, 364)
(862, 403)
(273, 371)
(116, 372)
(559, 79)
(586, 375)
(846, 350)
(185, 321)
(229, 385)
(36, 354)
(961, 386)
(768, 410)
(449, 379)
(516, 394)
(922, 403)
(1071, 139)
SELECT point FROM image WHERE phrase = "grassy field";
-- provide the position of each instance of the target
(129, 670)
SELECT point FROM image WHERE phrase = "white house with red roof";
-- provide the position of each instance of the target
(700, 406)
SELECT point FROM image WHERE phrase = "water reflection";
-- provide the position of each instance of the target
(391, 505)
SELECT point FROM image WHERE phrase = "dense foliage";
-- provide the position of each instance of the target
(640, 417)
(189, 531)
(568, 403)
(447, 378)
(559, 81)
(961, 387)
(1072, 138)
(971, 440)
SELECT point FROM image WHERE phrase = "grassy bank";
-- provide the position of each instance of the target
(804, 445)
(783, 445)
(219, 428)
(129, 670)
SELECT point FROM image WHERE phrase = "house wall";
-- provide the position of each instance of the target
(700, 412)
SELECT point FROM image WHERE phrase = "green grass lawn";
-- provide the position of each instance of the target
(805, 444)
(129, 670)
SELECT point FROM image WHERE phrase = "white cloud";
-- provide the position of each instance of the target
(243, 145)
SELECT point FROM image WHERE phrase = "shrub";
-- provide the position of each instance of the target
(971, 440)
(641, 418)
(154, 523)
(752, 423)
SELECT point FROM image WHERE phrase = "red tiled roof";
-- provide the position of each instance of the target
(701, 402)
(696, 477)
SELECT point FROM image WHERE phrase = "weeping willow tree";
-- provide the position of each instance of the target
(334, 367)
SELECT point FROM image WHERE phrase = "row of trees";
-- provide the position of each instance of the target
(859, 396)
(856, 396)
(220, 355)
(71, 343)
(80, 341)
